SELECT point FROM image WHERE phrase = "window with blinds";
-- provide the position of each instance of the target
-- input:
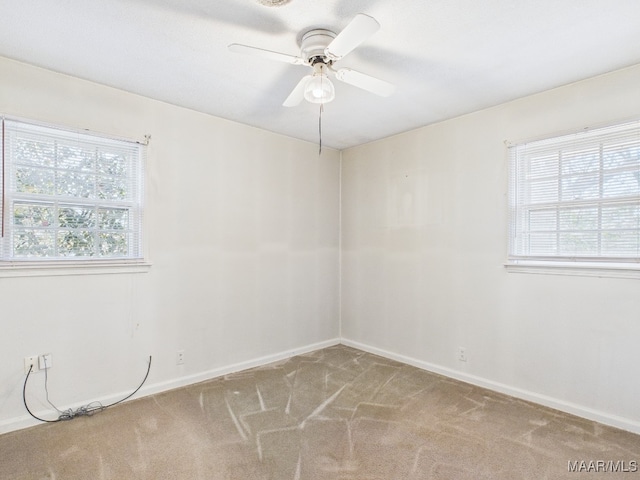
(69, 196)
(576, 198)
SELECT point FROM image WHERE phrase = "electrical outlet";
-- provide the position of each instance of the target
(31, 363)
(462, 354)
(45, 361)
(180, 357)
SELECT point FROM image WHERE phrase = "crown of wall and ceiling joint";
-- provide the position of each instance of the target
(273, 3)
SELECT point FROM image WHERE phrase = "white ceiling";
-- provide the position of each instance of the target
(446, 57)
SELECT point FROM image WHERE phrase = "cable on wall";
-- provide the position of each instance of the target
(85, 410)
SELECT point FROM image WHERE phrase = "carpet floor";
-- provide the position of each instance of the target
(334, 414)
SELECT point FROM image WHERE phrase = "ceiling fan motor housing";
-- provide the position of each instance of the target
(314, 43)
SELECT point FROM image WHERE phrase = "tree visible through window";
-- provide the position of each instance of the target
(577, 197)
(69, 195)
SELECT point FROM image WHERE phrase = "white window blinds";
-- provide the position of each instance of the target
(576, 198)
(69, 195)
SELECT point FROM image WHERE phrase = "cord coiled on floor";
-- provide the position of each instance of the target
(85, 410)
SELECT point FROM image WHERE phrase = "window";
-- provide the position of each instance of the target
(575, 199)
(69, 196)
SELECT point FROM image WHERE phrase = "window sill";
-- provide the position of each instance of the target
(612, 270)
(42, 269)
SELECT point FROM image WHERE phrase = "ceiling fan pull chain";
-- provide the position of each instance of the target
(320, 129)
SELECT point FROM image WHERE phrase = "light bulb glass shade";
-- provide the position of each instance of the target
(319, 89)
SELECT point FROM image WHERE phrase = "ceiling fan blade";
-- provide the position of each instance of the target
(297, 94)
(261, 52)
(366, 82)
(358, 30)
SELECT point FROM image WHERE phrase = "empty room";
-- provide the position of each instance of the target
(338, 240)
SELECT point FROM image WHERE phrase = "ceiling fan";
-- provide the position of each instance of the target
(320, 50)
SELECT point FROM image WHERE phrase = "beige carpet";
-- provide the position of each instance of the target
(335, 414)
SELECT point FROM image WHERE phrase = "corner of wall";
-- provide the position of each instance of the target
(340, 246)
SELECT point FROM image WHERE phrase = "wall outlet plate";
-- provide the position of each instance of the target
(31, 362)
(462, 354)
(45, 361)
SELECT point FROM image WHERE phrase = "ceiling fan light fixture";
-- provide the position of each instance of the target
(319, 88)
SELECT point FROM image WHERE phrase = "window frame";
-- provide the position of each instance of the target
(135, 259)
(521, 261)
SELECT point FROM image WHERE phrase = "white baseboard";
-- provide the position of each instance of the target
(557, 404)
(236, 367)
(26, 421)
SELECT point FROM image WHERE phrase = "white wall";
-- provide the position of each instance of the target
(424, 239)
(243, 234)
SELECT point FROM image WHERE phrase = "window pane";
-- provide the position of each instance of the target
(113, 189)
(621, 155)
(113, 244)
(36, 152)
(621, 243)
(578, 244)
(543, 244)
(543, 191)
(112, 163)
(543, 166)
(113, 219)
(581, 187)
(33, 243)
(543, 220)
(35, 181)
(74, 184)
(580, 161)
(76, 217)
(583, 218)
(75, 243)
(621, 217)
(621, 184)
(76, 157)
(32, 215)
